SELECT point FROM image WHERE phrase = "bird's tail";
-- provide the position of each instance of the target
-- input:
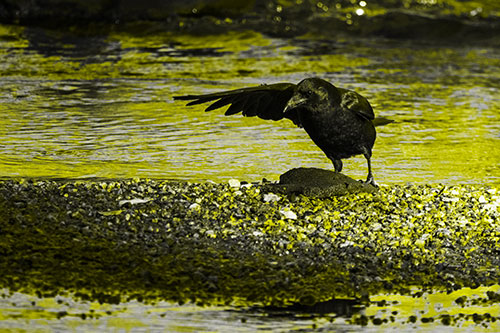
(381, 121)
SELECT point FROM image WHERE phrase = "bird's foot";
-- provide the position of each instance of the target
(371, 181)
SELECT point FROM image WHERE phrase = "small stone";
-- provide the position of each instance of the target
(288, 214)
(133, 201)
(317, 218)
(271, 197)
(347, 243)
(235, 183)
(420, 243)
(194, 206)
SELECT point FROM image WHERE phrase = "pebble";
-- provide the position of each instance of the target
(194, 206)
(133, 201)
(271, 197)
(287, 213)
(234, 183)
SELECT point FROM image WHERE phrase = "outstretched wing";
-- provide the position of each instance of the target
(265, 101)
(356, 103)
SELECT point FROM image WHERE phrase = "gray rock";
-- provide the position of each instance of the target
(318, 182)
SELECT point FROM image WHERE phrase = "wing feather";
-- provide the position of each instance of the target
(220, 103)
(235, 107)
(265, 101)
(253, 106)
(199, 101)
(356, 103)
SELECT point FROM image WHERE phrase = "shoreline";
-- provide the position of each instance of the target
(208, 243)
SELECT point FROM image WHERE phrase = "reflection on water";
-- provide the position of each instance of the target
(463, 310)
(102, 106)
(333, 307)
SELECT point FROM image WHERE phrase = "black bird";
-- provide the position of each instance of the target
(341, 122)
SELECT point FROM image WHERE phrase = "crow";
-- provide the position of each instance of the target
(340, 122)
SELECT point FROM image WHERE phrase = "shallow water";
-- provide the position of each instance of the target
(102, 106)
(20, 311)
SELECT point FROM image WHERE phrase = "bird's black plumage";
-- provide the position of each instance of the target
(339, 121)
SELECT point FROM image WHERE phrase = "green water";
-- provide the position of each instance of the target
(101, 106)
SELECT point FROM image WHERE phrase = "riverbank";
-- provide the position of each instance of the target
(439, 21)
(214, 244)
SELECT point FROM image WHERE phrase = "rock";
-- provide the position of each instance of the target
(318, 182)
(235, 183)
(133, 201)
(194, 206)
(271, 197)
(287, 213)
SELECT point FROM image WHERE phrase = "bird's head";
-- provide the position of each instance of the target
(313, 94)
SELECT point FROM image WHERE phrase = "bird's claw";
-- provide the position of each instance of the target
(371, 181)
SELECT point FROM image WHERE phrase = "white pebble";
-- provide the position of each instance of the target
(234, 183)
(347, 243)
(194, 206)
(288, 214)
(133, 201)
(271, 197)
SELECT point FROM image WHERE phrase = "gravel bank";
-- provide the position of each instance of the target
(151, 240)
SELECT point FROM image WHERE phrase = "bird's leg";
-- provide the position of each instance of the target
(369, 178)
(337, 164)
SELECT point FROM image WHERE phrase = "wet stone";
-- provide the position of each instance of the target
(319, 183)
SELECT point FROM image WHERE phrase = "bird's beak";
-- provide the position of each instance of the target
(295, 102)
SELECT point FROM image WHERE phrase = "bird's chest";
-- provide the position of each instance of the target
(327, 124)
(336, 133)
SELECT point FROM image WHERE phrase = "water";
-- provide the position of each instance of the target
(19, 311)
(101, 106)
